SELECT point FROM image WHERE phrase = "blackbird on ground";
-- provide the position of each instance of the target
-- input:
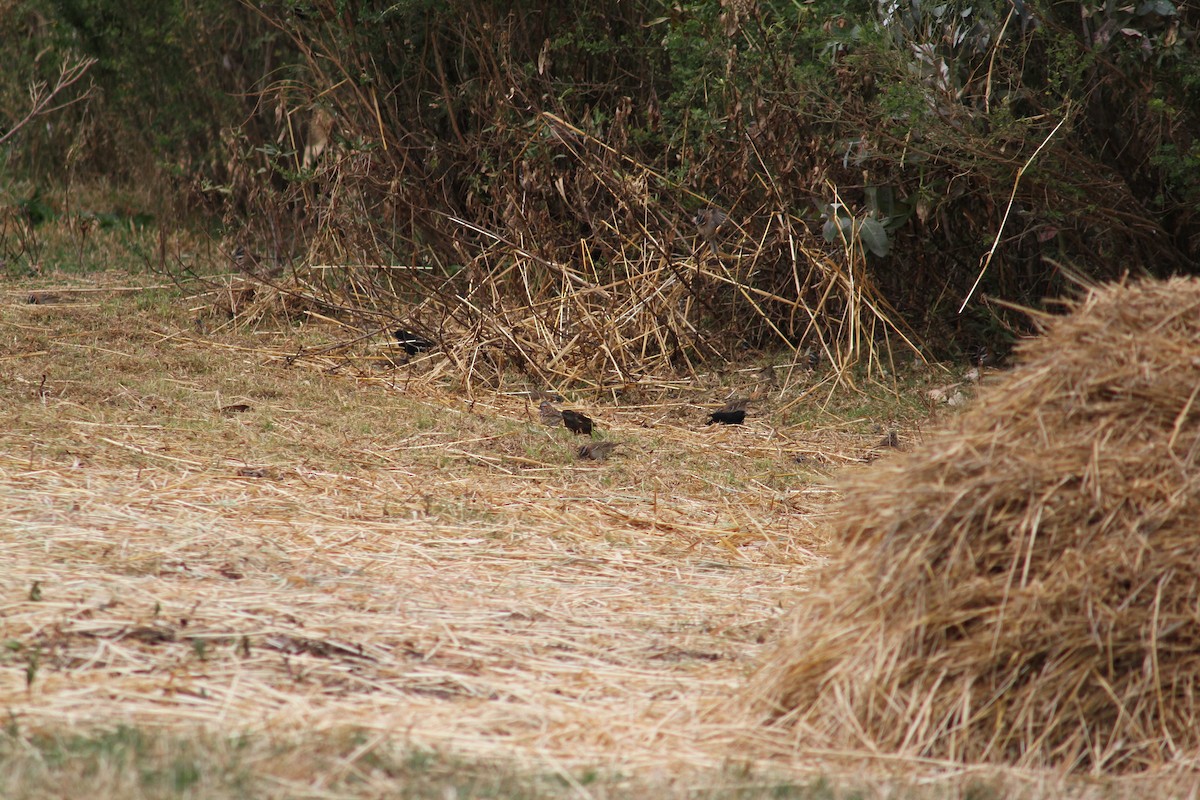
(412, 343)
(597, 451)
(732, 413)
(549, 414)
(734, 417)
(577, 423)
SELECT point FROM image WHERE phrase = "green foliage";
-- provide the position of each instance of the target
(124, 761)
(169, 75)
(144, 763)
(1179, 168)
(440, 141)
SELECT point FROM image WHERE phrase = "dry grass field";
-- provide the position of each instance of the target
(229, 572)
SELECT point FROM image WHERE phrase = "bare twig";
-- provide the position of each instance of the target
(41, 94)
(1008, 210)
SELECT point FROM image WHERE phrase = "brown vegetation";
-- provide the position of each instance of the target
(1024, 590)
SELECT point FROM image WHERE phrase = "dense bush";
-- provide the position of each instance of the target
(168, 78)
(901, 142)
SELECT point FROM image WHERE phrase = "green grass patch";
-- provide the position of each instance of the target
(131, 763)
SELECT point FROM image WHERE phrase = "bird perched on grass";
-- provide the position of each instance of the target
(597, 451)
(732, 413)
(576, 423)
(812, 359)
(255, 265)
(251, 263)
(550, 415)
(981, 356)
(412, 343)
(708, 223)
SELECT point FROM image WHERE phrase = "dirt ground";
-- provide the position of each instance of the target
(203, 533)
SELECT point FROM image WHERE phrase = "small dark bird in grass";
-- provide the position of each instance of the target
(255, 265)
(735, 417)
(597, 451)
(412, 343)
(890, 439)
(812, 359)
(577, 423)
(981, 356)
(732, 413)
(550, 415)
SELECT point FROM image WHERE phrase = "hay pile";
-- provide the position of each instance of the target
(1026, 589)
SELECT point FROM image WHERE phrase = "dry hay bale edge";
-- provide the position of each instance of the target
(1024, 589)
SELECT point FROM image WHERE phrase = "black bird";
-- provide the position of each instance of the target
(732, 413)
(812, 359)
(735, 417)
(412, 343)
(577, 423)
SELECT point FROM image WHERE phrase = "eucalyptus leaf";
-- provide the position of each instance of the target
(836, 227)
(880, 199)
(901, 211)
(874, 237)
(1163, 8)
